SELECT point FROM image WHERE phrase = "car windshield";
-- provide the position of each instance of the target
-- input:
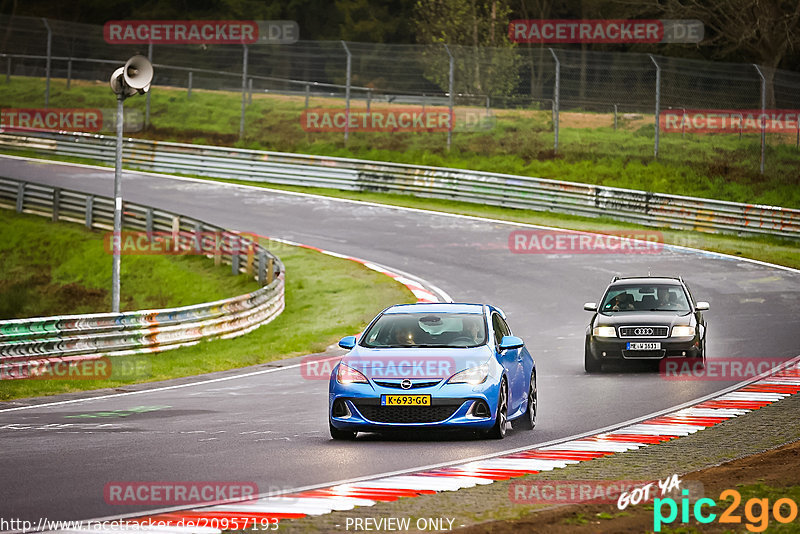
(650, 297)
(458, 330)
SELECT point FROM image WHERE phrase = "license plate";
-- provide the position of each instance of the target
(644, 346)
(405, 400)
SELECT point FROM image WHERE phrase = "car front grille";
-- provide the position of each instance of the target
(643, 331)
(406, 414)
(414, 384)
(643, 354)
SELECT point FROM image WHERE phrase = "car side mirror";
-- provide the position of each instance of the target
(511, 342)
(701, 306)
(347, 342)
(590, 306)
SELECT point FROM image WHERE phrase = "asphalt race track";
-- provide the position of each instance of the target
(271, 428)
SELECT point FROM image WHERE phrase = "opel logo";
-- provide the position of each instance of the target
(405, 384)
(643, 332)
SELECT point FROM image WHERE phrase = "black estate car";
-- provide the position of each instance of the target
(645, 318)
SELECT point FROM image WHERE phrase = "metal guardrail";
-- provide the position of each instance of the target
(641, 207)
(79, 337)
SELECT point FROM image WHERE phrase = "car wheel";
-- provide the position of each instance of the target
(700, 359)
(589, 363)
(498, 431)
(528, 420)
(341, 434)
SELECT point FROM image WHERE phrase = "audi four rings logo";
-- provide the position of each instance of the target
(643, 332)
(405, 384)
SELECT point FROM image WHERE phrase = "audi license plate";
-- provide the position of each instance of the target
(644, 346)
(405, 400)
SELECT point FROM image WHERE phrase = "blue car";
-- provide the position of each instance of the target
(433, 366)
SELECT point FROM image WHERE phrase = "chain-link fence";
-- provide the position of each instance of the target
(498, 78)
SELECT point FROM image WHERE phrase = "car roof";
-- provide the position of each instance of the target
(647, 280)
(436, 307)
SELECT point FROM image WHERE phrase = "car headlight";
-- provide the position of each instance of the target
(347, 375)
(604, 331)
(682, 331)
(472, 376)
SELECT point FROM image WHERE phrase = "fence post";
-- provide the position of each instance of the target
(20, 197)
(369, 99)
(69, 72)
(56, 202)
(244, 91)
(658, 103)
(488, 103)
(148, 221)
(308, 93)
(189, 87)
(347, 93)
(8, 69)
(262, 266)
(270, 270)
(147, 96)
(763, 117)
(556, 106)
(615, 117)
(249, 91)
(89, 211)
(451, 96)
(47, 67)
(217, 248)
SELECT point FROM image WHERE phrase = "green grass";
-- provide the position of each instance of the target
(709, 166)
(62, 268)
(326, 299)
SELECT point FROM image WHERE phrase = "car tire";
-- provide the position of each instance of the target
(341, 434)
(527, 421)
(498, 431)
(589, 363)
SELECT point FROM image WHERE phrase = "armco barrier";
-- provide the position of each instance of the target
(79, 337)
(651, 209)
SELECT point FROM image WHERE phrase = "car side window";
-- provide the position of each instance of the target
(500, 328)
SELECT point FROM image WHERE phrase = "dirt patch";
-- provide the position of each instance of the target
(777, 468)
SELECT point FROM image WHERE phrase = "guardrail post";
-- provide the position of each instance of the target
(658, 103)
(69, 72)
(369, 99)
(56, 202)
(763, 115)
(244, 91)
(20, 196)
(89, 211)
(615, 117)
(347, 93)
(176, 228)
(308, 93)
(270, 270)
(236, 251)
(148, 221)
(262, 266)
(189, 87)
(198, 230)
(147, 96)
(556, 108)
(451, 95)
(217, 249)
(250, 258)
(47, 64)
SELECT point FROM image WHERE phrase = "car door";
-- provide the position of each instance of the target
(512, 361)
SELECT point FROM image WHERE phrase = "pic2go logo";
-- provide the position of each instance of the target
(756, 511)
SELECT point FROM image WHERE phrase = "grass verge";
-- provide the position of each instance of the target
(325, 300)
(520, 142)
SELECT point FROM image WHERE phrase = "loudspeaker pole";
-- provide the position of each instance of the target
(117, 236)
